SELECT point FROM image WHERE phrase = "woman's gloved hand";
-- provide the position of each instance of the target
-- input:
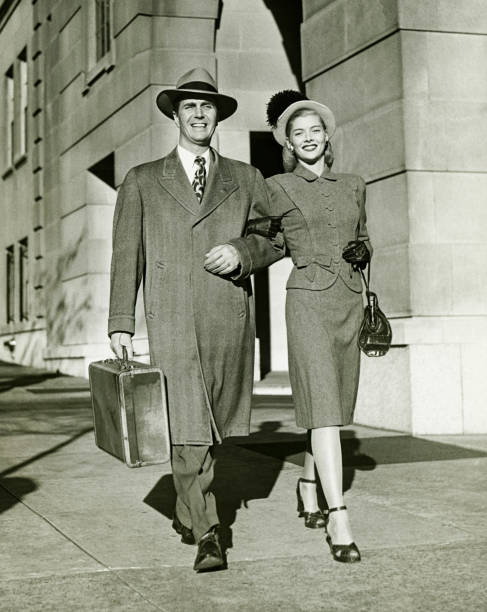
(264, 226)
(356, 253)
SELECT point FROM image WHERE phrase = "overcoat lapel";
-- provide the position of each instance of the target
(219, 186)
(174, 180)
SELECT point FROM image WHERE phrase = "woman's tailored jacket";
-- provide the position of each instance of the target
(316, 240)
(200, 325)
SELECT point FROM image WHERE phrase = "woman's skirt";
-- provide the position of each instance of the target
(324, 358)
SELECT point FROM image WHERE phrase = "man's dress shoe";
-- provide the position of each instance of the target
(186, 534)
(209, 554)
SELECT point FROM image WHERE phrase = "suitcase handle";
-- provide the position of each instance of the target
(124, 362)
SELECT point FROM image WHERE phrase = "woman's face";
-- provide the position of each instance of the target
(307, 136)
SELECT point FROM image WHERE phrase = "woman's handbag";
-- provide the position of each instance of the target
(375, 335)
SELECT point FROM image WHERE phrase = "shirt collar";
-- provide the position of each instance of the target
(187, 157)
(310, 176)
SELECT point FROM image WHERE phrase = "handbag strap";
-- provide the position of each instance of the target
(366, 280)
(371, 296)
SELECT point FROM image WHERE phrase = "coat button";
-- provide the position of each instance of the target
(150, 315)
(241, 315)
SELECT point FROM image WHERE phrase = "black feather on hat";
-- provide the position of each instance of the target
(279, 102)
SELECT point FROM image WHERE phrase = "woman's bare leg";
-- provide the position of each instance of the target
(308, 490)
(327, 454)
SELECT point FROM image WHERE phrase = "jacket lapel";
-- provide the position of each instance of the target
(219, 185)
(327, 187)
(174, 180)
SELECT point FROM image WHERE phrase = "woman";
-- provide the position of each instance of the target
(321, 213)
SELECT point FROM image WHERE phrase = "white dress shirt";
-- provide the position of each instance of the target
(187, 159)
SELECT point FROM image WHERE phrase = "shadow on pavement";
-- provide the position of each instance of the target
(290, 448)
(14, 375)
(239, 478)
(45, 453)
(22, 416)
(367, 452)
(12, 491)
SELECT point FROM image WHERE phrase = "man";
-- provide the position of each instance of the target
(174, 224)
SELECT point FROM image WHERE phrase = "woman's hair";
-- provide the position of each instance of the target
(287, 159)
(302, 112)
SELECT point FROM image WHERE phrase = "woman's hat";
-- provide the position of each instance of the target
(321, 110)
(196, 83)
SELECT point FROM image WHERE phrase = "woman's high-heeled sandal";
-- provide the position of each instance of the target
(312, 520)
(344, 553)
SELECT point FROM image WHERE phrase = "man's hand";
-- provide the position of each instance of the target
(222, 259)
(119, 339)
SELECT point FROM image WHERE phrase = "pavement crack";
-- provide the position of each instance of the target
(105, 567)
(149, 601)
(56, 528)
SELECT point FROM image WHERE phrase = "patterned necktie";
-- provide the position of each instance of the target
(199, 181)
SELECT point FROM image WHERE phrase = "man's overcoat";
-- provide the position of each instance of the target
(200, 326)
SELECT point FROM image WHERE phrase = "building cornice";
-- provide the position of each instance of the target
(7, 7)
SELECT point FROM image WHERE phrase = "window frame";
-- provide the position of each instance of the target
(23, 102)
(96, 67)
(9, 89)
(10, 284)
(102, 28)
(23, 267)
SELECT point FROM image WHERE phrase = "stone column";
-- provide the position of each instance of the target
(407, 83)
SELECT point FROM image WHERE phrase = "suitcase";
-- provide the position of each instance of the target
(130, 411)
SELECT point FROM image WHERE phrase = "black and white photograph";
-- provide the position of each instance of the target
(243, 305)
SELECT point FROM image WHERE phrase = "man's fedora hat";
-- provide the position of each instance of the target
(196, 83)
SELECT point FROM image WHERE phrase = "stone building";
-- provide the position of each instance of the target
(406, 80)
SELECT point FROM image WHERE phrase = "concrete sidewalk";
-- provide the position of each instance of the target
(81, 531)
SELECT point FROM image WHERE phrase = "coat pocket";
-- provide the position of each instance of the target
(240, 300)
(154, 297)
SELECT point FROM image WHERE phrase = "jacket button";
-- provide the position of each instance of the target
(241, 315)
(160, 264)
(150, 315)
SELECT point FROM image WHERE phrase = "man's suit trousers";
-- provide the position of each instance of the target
(193, 468)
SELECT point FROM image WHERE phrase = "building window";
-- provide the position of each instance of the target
(9, 95)
(23, 101)
(99, 46)
(10, 284)
(102, 28)
(16, 99)
(24, 279)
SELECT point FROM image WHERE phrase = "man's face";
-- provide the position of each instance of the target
(196, 120)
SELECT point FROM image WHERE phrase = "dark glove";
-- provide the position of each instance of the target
(356, 253)
(264, 226)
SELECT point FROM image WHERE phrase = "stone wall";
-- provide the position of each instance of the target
(19, 209)
(407, 83)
